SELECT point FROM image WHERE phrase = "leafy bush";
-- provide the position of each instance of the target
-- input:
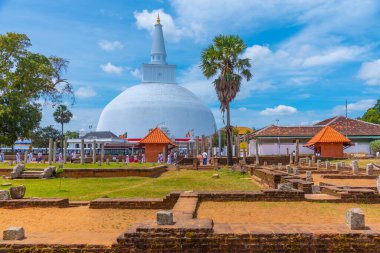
(375, 146)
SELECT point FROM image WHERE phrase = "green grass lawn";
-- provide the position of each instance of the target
(362, 162)
(112, 165)
(92, 188)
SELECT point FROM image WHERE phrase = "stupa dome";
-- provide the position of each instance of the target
(158, 100)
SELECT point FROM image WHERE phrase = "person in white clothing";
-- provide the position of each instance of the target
(204, 158)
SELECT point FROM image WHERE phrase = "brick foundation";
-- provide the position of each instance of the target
(129, 172)
(34, 202)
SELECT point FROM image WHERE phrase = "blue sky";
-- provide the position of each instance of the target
(308, 57)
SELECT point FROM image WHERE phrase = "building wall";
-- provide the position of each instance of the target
(359, 147)
(330, 149)
(152, 151)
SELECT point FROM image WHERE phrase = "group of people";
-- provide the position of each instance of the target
(134, 158)
(169, 158)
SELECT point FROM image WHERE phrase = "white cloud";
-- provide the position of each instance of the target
(370, 72)
(361, 105)
(110, 45)
(85, 92)
(136, 73)
(334, 55)
(146, 20)
(279, 110)
(112, 69)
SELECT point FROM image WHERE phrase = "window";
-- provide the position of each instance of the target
(77, 145)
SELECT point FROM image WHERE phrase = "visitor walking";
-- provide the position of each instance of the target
(143, 158)
(169, 159)
(18, 157)
(204, 156)
(39, 157)
(127, 158)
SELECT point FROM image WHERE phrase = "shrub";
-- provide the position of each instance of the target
(375, 146)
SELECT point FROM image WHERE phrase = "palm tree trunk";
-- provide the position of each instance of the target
(62, 136)
(228, 135)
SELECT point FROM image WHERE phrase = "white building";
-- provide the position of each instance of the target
(157, 100)
(281, 140)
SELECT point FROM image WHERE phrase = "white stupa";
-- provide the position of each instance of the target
(158, 100)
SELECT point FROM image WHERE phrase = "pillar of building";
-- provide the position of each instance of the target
(50, 150)
(94, 151)
(82, 151)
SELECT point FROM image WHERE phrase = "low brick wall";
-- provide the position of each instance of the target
(34, 202)
(53, 248)
(262, 195)
(136, 203)
(204, 239)
(340, 176)
(128, 172)
(270, 177)
(301, 185)
(352, 195)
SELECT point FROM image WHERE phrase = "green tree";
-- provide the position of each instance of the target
(25, 79)
(40, 137)
(71, 135)
(222, 60)
(375, 146)
(63, 116)
(373, 114)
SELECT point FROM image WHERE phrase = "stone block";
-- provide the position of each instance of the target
(355, 219)
(315, 189)
(309, 176)
(48, 172)
(108, 161)
(355, 167)
(265, 163)
(165, 218)
(327, 164)
(288, 169)
(295, 171)
(369, 169)
(216, 175)
(284, 187)
(279, 166)
(318, 164)
(272, 166)
(14, 233)
(310, 163)
(4, 195)
(378, 183)
(17, 192)
(99, 163)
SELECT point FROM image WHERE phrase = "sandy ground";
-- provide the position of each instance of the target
(284, 212)
(345, 182)
(72, 225)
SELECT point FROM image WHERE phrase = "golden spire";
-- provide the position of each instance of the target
(158, 19)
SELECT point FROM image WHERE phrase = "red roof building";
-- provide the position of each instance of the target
(329, 143)
(156, 142)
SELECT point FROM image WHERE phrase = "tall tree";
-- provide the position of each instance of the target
(222, 60)
(71, 135)
(26, 78)
(373, 114)
(63, 116)
(40, 136)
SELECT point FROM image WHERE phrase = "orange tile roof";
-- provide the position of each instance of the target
(156, 136)
(328, 134)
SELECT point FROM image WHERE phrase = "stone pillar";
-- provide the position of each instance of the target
(297, 151)
(327, 164)
(378, 183)
(25, 157)
(313, 159)
(54, 152)
(196, 146)
(295, 171)
(265, 163)
(220, 143)
(94, 151)
(101, 152)
(237, 138)
(272, 166)
(355, 167)
(257, 151)
(338, 166)
(50, 150)
(82, 151)
(64, 150)
(203, 144)
(310, 163)
(291, 158)
(279, 166)
(288, 169)
(309, 176)
(318, 164)
(369, 169)
(164, 153)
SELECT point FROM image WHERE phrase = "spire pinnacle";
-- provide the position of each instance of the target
(158, 19)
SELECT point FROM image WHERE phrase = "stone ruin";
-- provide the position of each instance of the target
(48, 172)
(17, 171)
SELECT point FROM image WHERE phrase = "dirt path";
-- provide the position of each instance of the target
(72, 225)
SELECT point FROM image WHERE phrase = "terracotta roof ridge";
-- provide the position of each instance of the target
(333, 119)
(262, 129)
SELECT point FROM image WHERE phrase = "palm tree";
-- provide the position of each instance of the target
(62, 115)
(221, 59)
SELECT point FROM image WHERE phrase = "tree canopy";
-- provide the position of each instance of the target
(27, 79)
(373, 114)
(40, 137)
